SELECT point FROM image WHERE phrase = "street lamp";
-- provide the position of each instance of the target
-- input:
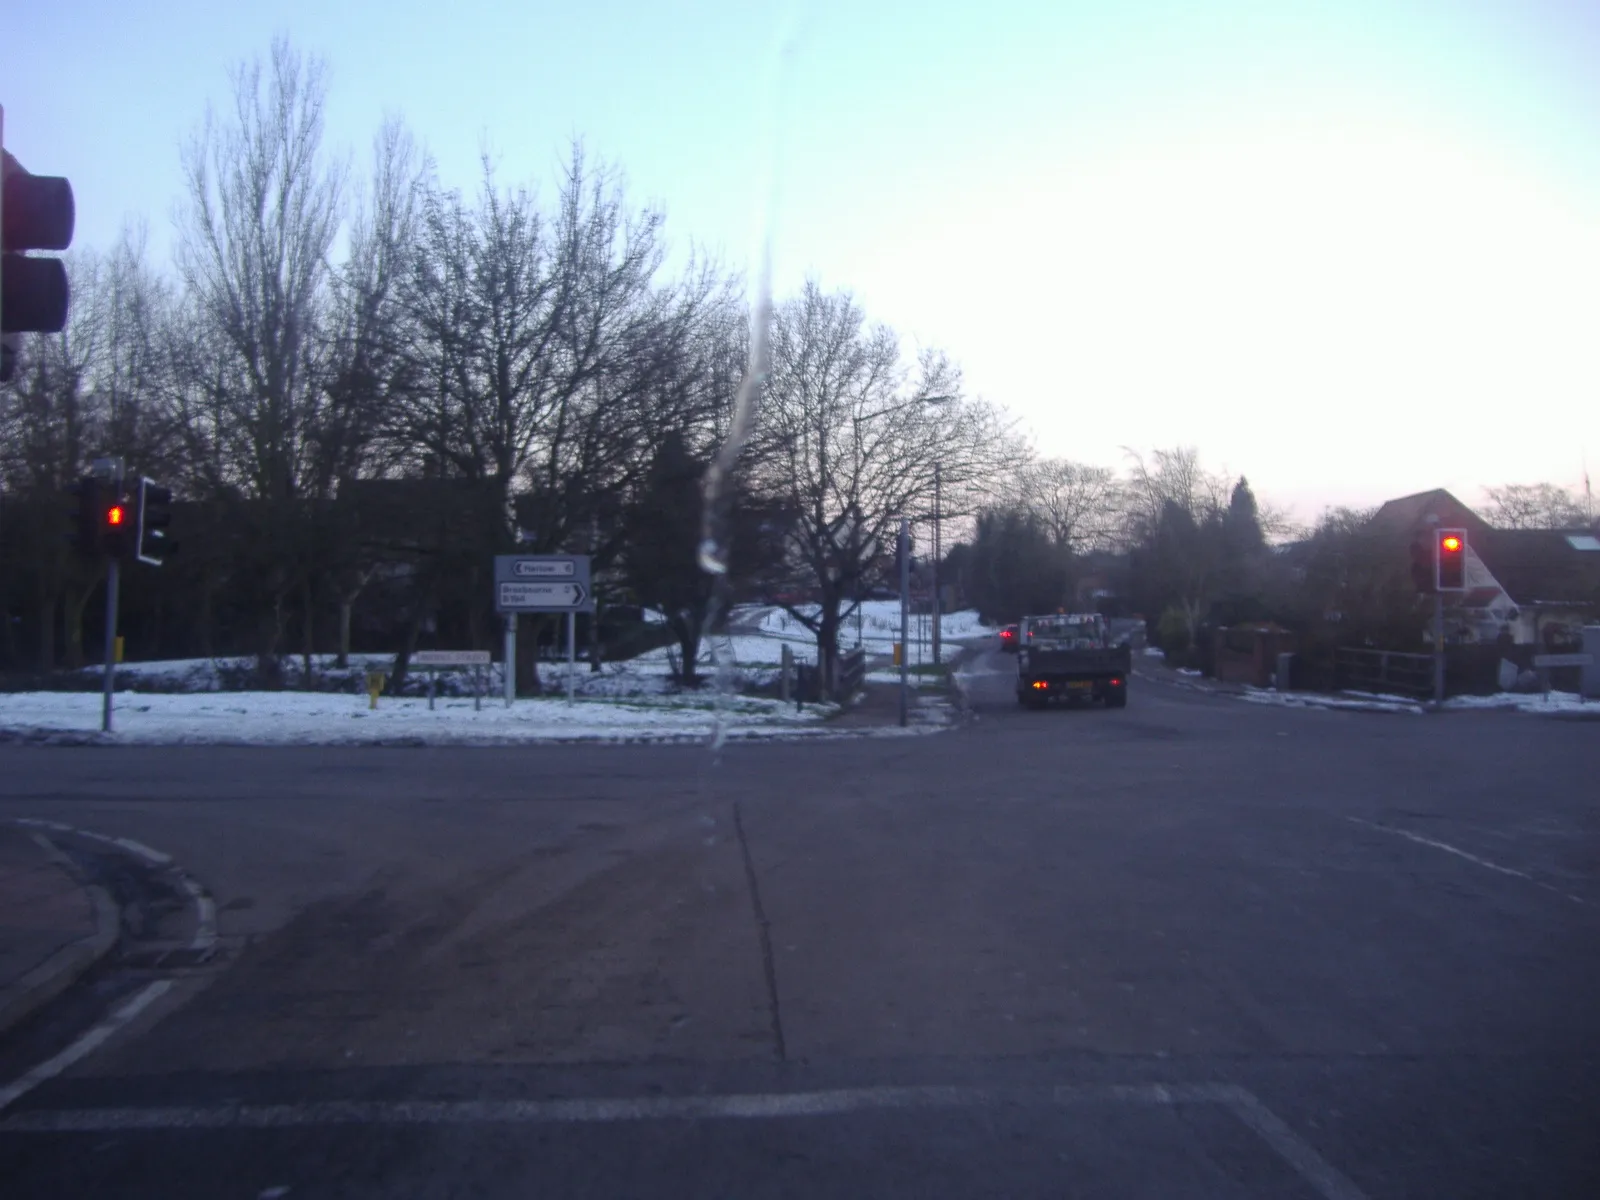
(938, 637)
(905, 567)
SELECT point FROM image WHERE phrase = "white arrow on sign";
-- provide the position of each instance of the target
(535, 569)
(541, 595)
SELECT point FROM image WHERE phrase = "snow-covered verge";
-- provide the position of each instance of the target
(879, 622)
(1354, 701)
(1556, 703)
(891, 676)
(320, 718)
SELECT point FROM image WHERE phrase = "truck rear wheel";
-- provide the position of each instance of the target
(1117, 698)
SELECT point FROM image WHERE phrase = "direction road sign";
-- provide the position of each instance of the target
(543, 568)
(542, 583)
(450, 658)
(543, 597)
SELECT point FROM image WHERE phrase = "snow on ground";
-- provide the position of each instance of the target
(325, 718)
(879, 622)
(1556, 703)
(1355, 702)
(891, 675)
(215, 674)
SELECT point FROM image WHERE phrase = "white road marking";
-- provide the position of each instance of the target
(205, 908)
(1283, 1141)
(1292, 1148)
(1460, 853)
(85, 1045)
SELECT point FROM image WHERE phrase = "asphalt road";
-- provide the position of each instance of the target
(1191, 948)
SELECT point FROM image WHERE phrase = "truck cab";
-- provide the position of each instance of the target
(1070, 657)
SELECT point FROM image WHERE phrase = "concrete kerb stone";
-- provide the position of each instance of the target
(23, 997)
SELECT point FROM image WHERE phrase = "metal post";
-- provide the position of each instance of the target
(905, 614)
(432, 678)
(477, 689)
(511, 658)
(113, 584)
(572, 654)
(937, 497)
(787, 659)
(1438, 647)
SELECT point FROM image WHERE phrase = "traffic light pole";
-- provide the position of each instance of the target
(938, 613)
(113, 584)
(1438, 650)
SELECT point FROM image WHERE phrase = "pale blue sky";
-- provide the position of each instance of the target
(1351, 249)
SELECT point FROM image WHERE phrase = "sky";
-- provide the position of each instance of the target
(1350, 250)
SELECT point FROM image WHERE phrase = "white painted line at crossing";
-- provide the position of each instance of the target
(1292, 1148)
(1323, 1178)
(1460, 853)
(85, 1045)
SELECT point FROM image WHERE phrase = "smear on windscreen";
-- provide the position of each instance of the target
(716, 524)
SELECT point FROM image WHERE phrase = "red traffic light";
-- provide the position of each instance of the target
(114, 515)
(1450, 568)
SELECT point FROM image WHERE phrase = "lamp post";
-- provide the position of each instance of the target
(938, 636)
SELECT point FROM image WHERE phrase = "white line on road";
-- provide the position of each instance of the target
(1460, 853)
(1292, 1148)
(85, 1045)
(205, 908)
(1289, 1146)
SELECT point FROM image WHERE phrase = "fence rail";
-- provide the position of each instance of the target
(1384, 671)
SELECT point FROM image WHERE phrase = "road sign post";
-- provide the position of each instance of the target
(511, 658)
(543, 583)
(905, 612)
(432, 660)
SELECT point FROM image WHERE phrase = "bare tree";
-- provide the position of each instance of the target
(849, 444)
(94, 389)
(1173, 476)
(261, 213)
(1535, 506)
(1080, 505)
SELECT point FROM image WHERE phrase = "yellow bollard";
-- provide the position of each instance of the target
(375, 682)
(118, 643)
(899, 653)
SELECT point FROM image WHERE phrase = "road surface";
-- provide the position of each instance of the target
(1191, 948)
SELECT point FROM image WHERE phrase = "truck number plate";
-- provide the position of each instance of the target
(1080, 684)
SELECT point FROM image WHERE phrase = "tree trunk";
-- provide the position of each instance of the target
(346, 603)
(408, 646)
(688, 633)
(75, 600)
(47, 628)
(204, 624)
(828, 642)
(308, 616)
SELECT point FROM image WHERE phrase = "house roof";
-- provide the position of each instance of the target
(1539, 564)
(1407, 515)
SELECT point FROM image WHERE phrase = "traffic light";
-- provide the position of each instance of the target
(116, 522)
(1424, 567)
(36, 213)
(1451, 546)
(86, 534)
(151, 544)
